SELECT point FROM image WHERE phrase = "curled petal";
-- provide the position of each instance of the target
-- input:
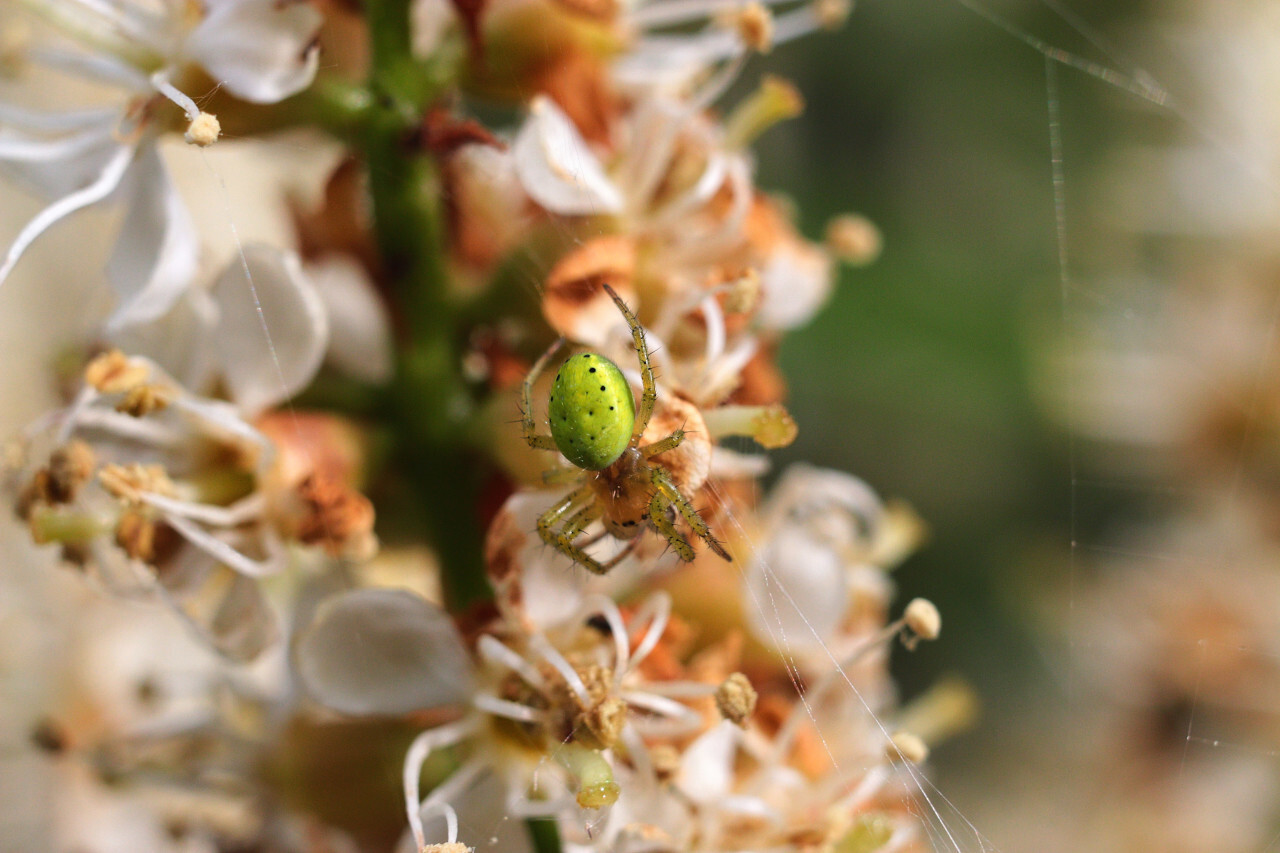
(359, 329)
(103, 184)
(558, 169)
(55, 166)
(796, 280)
(262, 50)
(181, 342)
(272, 329)
(796, 591)
(805, 492)
(706, 767)
(225, 608)
(382, 651)
(690, 463)
(529, 589)
(575, 303)
(154, 259)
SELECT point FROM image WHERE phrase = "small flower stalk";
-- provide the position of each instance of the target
(450, 463)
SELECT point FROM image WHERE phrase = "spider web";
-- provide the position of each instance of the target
(1127, 513)
(1085, 548)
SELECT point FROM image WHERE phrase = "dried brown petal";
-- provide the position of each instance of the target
(690, 463)
(575, 303)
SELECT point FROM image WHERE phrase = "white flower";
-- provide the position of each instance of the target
(359, 327)
(682, 199)
(825, 543)
(561, 173)
(102, 687)
(141, 458)
(670, 55)
(734, 789)
(542, 708)
(259, 50)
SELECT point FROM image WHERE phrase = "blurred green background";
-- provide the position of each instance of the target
(919, 375)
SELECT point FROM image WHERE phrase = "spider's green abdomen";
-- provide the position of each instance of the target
(592, 411)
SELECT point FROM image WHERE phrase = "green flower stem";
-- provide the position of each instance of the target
(432, 404)
(544, 834)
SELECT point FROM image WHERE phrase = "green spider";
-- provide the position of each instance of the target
(593, 422)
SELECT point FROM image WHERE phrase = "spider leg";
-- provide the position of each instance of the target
(561, 476)
(650, 396)
(581, 520)
(592, 539)
(658, 506)
(662, 480)
(671, 442)
(558, 540)
(536, 441)
(621, 555)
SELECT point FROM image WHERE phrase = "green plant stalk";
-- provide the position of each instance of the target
(544, 834)
(430, 400)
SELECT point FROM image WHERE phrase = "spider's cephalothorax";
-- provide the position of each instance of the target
(595, 424)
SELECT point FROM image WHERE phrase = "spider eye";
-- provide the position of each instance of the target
(592, 411)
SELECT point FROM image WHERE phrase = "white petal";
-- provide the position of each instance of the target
(795, 282)
(429, 21)
(59, 165)
(180, 341)
(102, 186)
(221, 418)
(796, 588)
(272, 329)
(482, 814)
(154, 260)
(670, 66)
(225, 608)
(359, 328)
(805, 491)
(101, 68)
(706, 767)
(261, 50)
(708, 184)
(382, 651)
(558, 169)
(224, 552)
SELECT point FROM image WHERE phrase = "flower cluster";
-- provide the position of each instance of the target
(229, 428)
(629, 730)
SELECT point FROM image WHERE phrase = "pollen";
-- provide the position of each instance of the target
(755, 27)
(69, 468)
(603, 723)
(744, 293)
(832, 14)
(736, 699)
(446, 847)
(336, 517)
(854, 239)
(774, 427)
(665, 760)
(204, 130)
(130, 482)
(136, 535)
(141, 400)
(113, 372)
(922, 619)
